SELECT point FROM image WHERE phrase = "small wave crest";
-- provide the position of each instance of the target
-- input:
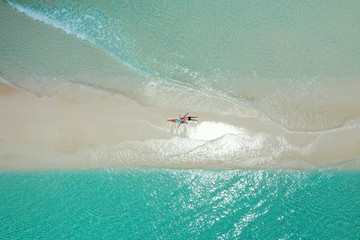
(87, 24)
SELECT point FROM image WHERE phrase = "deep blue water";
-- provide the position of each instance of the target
(180, 204)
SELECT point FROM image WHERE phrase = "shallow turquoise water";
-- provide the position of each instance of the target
(187, 40)
(180, 204)
(288, 60)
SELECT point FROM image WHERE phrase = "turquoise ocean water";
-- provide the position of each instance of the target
(180, 204)
(296, 62)
(293, 63)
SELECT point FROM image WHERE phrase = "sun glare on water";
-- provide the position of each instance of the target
(212, 130)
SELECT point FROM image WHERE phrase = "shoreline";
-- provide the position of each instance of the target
(79, 128)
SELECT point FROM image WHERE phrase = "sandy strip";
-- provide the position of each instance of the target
(66, 123)
(30, 124)
(57, 131)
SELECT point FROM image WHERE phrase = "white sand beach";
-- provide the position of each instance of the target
(86, 128)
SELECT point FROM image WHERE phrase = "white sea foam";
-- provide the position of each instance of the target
(89, 25)
(47, 19)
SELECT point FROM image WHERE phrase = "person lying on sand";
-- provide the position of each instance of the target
(183, 119)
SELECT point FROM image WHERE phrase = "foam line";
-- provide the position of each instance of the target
(76, 23)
